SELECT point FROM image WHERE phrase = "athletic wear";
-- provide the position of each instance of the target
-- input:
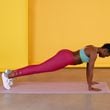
(83, 56)
(7, 83)
(60, 60)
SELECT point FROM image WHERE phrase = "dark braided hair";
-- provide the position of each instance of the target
(107, 46)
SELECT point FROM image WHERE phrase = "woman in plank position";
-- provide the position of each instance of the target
(62, 58)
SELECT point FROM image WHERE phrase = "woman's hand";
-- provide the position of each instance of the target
(94, 89)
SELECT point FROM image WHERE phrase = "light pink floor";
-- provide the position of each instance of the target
(54, 88)
(61, 101)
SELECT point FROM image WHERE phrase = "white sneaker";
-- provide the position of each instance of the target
(5, 81)
(10, 79)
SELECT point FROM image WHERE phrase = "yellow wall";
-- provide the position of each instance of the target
(72, 24)
(53, 25)
(13, 33)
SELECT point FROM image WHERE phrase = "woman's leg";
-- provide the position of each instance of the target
(60, 60)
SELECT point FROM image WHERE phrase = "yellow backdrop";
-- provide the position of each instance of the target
(72, 24)
(53, 25)
(13, 33)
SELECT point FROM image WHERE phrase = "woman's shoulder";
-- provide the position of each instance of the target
(91, 47)
(91, 50)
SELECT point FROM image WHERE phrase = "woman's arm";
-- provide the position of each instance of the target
(89, 72)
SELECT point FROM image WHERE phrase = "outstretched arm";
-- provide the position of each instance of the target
(89, 73)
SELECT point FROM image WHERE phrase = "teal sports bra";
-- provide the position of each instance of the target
(83, 56)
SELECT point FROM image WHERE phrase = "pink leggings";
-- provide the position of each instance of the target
(63, 58)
